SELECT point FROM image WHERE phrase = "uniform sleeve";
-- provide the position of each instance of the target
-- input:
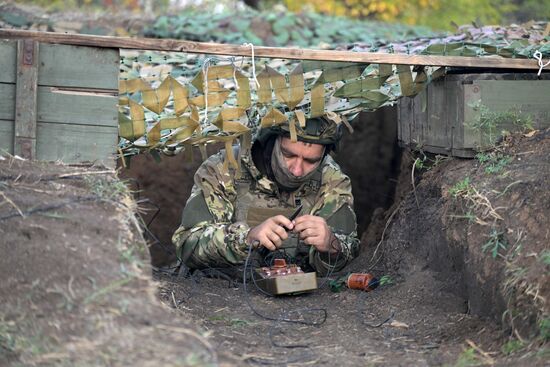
(207, 237)
(335, 204)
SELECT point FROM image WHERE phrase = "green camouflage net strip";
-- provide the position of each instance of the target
(515, 41)
(170, 101)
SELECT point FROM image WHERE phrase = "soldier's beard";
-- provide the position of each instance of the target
(283, 177)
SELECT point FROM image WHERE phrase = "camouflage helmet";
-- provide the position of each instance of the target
(317, 130)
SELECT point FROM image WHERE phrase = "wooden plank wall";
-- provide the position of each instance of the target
(8, 67)
(77, 118)
(437, 120)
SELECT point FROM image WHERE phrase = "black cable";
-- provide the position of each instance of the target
(168, 249)
(277, 361)
(156, 206)
(268, 317)
(46, 208)
(277, 345)
(360, 317)
(331, 268)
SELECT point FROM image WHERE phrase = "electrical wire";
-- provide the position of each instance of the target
(281, 318)
(46, 208)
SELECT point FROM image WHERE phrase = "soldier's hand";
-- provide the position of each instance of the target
(315, 231)
(271, 233)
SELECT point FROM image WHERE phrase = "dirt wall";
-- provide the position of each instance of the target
(480, 226)
(76, 286)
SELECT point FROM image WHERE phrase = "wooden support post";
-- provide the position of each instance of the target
(24, 143)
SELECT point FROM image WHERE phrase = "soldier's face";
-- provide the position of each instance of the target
(301, 158)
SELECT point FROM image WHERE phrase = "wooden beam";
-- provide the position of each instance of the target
(24, 137)
(154, 44)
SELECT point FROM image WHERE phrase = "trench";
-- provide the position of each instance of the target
(380, 174)
(435, 283)
(370, 156)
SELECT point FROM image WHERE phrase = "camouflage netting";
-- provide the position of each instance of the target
(173, 100)
(515, 41)
(170, 101)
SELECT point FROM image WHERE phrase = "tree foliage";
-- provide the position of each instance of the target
(132, 5)
(438, 14)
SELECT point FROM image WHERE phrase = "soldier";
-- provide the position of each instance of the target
(226, 215)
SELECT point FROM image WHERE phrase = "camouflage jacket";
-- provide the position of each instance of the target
(222, 209)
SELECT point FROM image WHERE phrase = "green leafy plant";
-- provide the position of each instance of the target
(385, 280)
(512, 346)
(545, 257)
(461, 188)
(230, 321)
(106, 188)
(495, 162)
(495, 243)
(420, 163)
(468, 358)
(484, 157)
(239, 322)
(7, 337)
(544, 329)
(498, 165)
(543, 353)
(468, 215)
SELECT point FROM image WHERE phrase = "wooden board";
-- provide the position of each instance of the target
(76, 143)
(6, 136)
(531, 97)
(7, 101)
(77, 66)
(446, 127)
(436, 128)
(470, 137)
(76, 108)
(61, 106)
(270, 52)
(24, 144)
(8, 61)
(403, 112)
(64, 107)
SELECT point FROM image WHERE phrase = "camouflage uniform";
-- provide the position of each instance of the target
(222, 209)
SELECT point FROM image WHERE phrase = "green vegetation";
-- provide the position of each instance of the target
(233, 322)
(493, 124)
(461, 188)
(512, 346)
(495, 243)
(13, 341)
(494, 162)
(469, 358)
(106, 188)
(468, 215)
(544, 329)
(279, 28)
(438, 14)
(545, 257)
(428, 161)
(386, 280)
(99, 5)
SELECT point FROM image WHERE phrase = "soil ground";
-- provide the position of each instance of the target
(77, 289)
(448, 296)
